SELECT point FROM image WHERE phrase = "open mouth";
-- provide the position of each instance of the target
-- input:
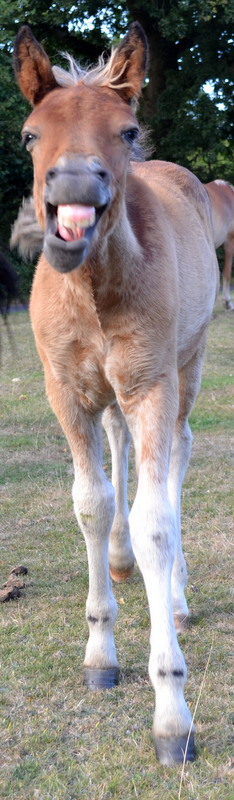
(74, 220)
(68, 235)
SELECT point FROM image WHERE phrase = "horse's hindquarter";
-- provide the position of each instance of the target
(221, 196)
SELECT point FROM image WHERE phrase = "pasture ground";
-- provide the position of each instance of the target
(58, 740)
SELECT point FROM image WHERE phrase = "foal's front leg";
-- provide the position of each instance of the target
(153, 533)
(94, 505)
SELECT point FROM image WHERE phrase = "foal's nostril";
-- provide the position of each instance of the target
(98, 169)
(104, 175)
(51, 174)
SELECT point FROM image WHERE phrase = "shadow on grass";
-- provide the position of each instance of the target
(135, 674)
(210, 612)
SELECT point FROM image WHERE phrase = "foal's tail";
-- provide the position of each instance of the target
(26, 234)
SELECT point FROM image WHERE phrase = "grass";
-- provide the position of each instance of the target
(58, 740)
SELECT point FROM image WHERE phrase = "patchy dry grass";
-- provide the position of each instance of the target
(58, 740)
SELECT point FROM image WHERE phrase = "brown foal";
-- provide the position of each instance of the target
(121, 300)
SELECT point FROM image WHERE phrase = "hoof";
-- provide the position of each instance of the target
(101, 678)
(181, 622)
(175, 751)
(121, 575)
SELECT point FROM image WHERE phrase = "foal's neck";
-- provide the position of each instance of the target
(118, 258)
(118, 253)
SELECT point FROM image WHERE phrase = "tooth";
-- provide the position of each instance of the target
(74, 224)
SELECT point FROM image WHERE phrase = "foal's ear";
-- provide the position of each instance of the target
(130, 63)
(32, 67)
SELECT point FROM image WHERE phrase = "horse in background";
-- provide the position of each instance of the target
(8, 285)
(221, 194)
(8, 292)
(121, 301)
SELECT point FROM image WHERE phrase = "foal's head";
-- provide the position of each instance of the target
(81, 135)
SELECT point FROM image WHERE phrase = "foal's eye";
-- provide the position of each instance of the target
(130, 135)
(28, 139)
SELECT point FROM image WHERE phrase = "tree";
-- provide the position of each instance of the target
(58, 29)
(191, 43)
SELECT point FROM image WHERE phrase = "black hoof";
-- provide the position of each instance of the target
(171, 751)
(101, 678)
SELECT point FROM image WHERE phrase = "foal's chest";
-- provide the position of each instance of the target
(97, 355)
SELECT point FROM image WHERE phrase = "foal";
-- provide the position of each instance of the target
(221, 196)
(121, 341)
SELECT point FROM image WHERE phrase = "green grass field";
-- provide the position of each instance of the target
(58, 740)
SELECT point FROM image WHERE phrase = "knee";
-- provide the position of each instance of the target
(94, 504)
(153, 534)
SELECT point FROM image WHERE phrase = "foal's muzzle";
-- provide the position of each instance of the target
(77, 193)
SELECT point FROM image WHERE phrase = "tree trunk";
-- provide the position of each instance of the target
(163, 56)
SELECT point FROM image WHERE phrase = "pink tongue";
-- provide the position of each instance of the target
(72, 220)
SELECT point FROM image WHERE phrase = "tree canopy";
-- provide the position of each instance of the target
(187, 101)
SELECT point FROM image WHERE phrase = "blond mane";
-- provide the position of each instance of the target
(103, 74)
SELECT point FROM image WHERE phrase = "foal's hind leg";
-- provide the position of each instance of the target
(189, 383)
(179, 460)
(121, 558)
